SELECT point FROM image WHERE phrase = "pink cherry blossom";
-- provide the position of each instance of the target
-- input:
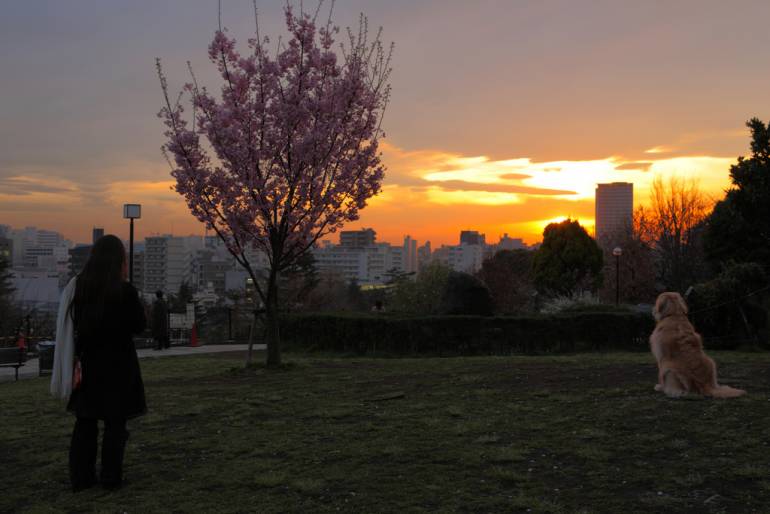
(288, 151)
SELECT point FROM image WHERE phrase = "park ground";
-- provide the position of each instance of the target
(581, 433)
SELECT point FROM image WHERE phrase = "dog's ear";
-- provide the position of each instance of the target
(661, 306)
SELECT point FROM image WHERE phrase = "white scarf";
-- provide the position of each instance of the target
(64, 352)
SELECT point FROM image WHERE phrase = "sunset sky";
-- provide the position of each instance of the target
(504, 114)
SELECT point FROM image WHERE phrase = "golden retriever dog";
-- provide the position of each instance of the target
(682, 366)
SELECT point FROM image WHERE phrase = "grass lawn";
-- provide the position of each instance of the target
(583, 433)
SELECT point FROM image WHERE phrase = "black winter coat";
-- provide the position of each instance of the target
(159, 320)
(112, 384)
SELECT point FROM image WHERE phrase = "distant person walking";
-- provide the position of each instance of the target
(95, 362)
(160, 322)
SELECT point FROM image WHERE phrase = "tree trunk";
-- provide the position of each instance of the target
(273, 335)
(252, 329)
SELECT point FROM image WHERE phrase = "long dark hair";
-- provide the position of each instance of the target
(100, 282)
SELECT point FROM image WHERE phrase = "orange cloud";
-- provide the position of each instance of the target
(432, 195)
(660, 149)
(428, 194)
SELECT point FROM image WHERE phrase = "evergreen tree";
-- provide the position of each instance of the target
(568, 262)
(739, 227)
(508, 275)
(465, 294)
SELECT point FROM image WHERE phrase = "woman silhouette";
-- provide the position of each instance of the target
(99, 314)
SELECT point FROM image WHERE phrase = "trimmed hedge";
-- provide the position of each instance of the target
(467, 335)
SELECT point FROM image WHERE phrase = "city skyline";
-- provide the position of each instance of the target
(42, 262)
(8, 232)
(556, 104)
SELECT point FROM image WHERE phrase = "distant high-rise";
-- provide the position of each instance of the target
(211, 267)
(466, 258)
(423, 255)
(410, 255)
(371, 264)
(139, 271)
(358, 238)
(167, 263)
(97, 234)
(472, 237)
(30, 243)
(509, 243)
(614, 209)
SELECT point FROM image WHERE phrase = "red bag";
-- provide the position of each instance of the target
(77, 374)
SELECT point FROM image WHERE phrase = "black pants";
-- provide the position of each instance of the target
(162, 342)
(82, 459)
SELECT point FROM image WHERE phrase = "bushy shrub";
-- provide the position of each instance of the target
(424, 294)
(465, 295)
(507, 275)
(333, 293)
(467, 335)
(726, 310)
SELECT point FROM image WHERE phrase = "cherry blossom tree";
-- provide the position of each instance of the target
(288, 152)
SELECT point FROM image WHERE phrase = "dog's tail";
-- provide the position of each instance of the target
(722, 391)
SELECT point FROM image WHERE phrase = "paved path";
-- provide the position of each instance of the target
(31, 370)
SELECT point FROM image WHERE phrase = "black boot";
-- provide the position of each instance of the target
(113, 449)
(82, 457)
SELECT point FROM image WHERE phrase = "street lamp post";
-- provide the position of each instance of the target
(131, 211)
(617, 252)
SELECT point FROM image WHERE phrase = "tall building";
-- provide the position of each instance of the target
(382, 258)
(358, 257)
(41, 250)
(167, 264)
(614, 209)
(411, 261)
(466, 258)
(509, 243)
(30, 243)
(423, 255)
(139, 272)
(96, 234)
(349, 262)
(22, 238)
(211, 269)
(472, 237)
(155, 264)
(358, 238)
(49, 238)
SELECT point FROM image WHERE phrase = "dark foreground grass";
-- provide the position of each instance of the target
(498, 434)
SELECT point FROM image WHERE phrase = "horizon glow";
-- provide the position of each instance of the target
(564, 97)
